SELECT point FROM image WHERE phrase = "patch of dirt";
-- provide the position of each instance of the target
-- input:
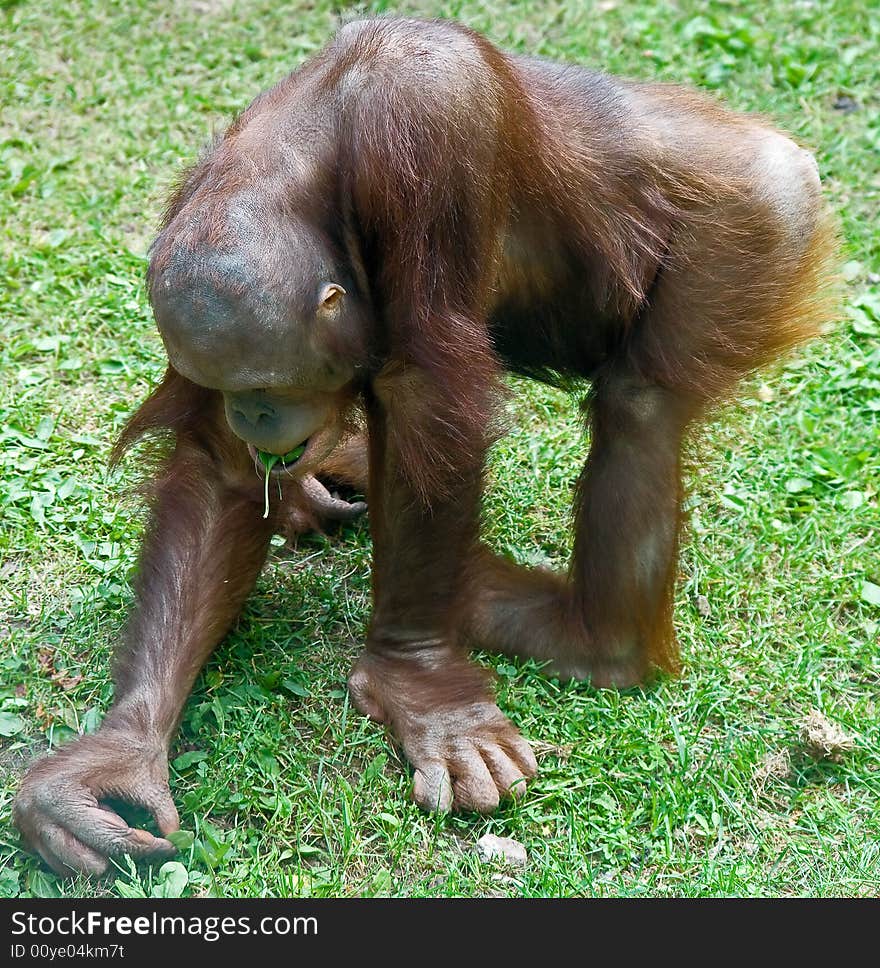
(542, 749)
(823, 739)
(776, 765)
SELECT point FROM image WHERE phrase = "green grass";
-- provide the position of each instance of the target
(287, 789)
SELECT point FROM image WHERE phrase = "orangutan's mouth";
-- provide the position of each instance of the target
(277, 464)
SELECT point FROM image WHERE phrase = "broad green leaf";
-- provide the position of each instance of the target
(182, 839)
(186, 760)
(172, 881)
(10, 724)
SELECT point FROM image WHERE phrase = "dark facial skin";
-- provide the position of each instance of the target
(481, 211)
(276, 343)
(301, 405)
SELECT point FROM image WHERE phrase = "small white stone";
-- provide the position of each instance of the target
(490, 847)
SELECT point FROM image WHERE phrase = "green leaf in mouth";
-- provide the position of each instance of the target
(270, 460)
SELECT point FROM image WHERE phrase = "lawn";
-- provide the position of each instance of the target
(702, 785)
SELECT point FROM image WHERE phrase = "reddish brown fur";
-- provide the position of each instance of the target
(485, 212)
